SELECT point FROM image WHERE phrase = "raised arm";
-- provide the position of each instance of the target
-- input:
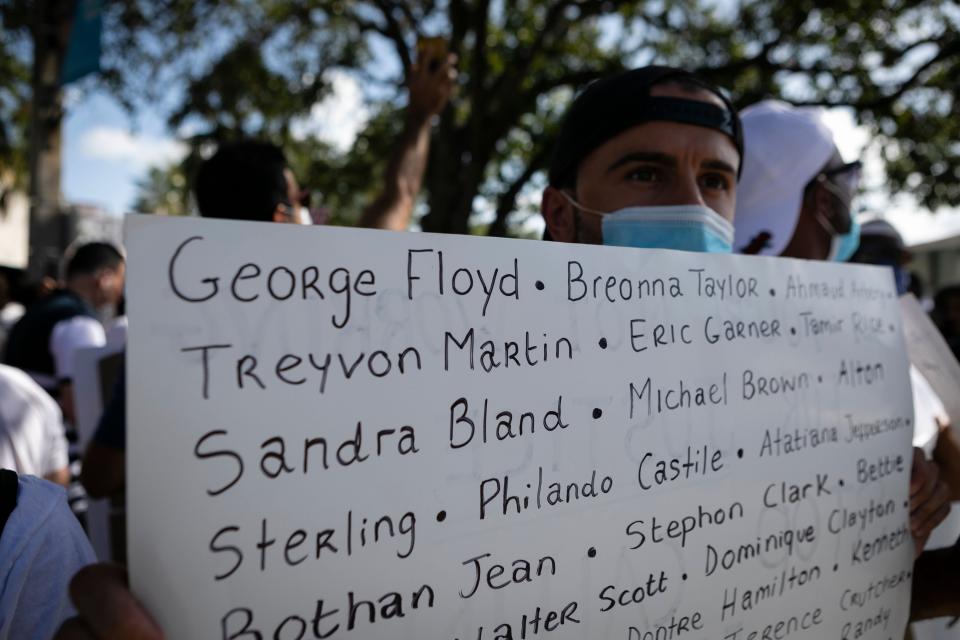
(430, 89)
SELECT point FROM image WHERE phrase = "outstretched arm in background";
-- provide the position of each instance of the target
(430, 89)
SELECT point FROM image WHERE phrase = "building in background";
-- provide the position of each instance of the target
(937, 263)
(14, 229)
(77, 222)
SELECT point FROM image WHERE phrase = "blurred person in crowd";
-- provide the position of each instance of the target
(43, 342)
(882, 245)
(41, 547)
(32, 438)
(10, 310)
(796, 204)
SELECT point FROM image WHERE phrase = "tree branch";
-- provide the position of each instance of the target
(889, 98)
(572, 79)
(395, 32)
(478, 70)
(367, 26)
(506, 201)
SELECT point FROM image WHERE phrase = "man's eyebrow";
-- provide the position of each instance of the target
(643, 156)
(719, 165)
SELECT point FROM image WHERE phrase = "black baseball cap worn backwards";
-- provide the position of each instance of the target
(612, 105)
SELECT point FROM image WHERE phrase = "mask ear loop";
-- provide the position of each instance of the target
(580, 207)
(832, 189)
(577, 208)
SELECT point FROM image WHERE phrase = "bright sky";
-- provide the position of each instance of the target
(105, 154)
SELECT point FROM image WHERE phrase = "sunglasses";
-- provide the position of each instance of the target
(846, 176)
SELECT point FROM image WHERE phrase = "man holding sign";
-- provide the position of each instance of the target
(676, 146)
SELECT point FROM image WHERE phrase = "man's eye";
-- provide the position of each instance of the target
(643, 174)
(716, 181)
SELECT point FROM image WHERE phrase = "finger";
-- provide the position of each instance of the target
(939, 500)
(926, 489)
(931, 523)
(924, 481)
(918, 470)
(108, 607)
(937, 517)
(73, 629)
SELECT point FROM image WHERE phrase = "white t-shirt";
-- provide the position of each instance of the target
(41, 548)
(68, 336)
(117, 333)
(32, 440)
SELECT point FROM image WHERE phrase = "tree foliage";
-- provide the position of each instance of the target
(164, 191)
(14, 97)
(254, 68)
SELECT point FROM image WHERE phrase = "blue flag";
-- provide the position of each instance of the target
(83, 50)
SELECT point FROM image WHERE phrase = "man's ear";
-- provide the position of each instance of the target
(558, 213)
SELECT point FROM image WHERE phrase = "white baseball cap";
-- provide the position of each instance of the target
(784, 148)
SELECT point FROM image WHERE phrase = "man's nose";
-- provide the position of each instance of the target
(686, 190)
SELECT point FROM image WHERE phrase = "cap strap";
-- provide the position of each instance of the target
(695, 112)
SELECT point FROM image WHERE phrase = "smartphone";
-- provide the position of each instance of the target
(433, 51)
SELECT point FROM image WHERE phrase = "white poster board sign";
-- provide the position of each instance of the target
(929, 353)
(341, 433)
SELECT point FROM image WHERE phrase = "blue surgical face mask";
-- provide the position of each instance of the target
(901, 276)
(844, 245)
(685, 227)
(680, 227)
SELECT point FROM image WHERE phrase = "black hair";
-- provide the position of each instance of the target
(242, 181)
(92, 257)
(944, 295)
